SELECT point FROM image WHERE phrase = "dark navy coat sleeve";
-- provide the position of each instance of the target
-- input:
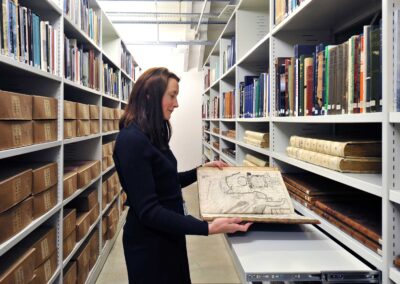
(148, 180)
(188, 177)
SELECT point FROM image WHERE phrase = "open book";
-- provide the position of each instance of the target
(255, 194)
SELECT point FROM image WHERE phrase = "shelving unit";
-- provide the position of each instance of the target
(38, 82)
(258, 43)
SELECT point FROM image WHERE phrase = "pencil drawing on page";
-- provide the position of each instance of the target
(245, 191)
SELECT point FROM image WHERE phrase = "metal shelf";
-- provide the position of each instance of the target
(226, 158)
(207, 145)
(227, 139)
(123, 72)
(95, 272)
(257, 53)
(79, 191)
(43, 5)
(229, 74)
(394, 117)
(4, 247)
(367, 254)
(394, 196)
(112, 62)
(55, 275)
(376, 117)
(78, 244)
(371, 183)
(394, 274)
(28, 149)
(77, 85)
(107, 170)
(110, 132)
(255, 119)
(228, 119)
(110, 97)
(10, 65)
(264, 151)
(72, 31)
(82, 138)
(109, 205)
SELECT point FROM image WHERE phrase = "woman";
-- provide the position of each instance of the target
(154, 233)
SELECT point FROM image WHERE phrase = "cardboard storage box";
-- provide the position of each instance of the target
(104, 165)
(17, 267)
(69, 110)
(110, 194)
(70, 273)
(69, 243)
(44, 107)
(94, 112)
(44, 131)
(110, 160)
(82, 111)
(84, 174)
(44, 176)
(15, 106)
(15, 219)
(111, 230)
(82, 224)
(70, 183)
(112, 216)
(104, 195)
(69, 221)
(45, 271)
(86, 200)
(82, 127)
(94, 126)
(94, 213)
(15, 186)
(104, 225)
(82, 261)
(15, 134)
(95, 168)
(116, 124)
(69, 129)
(44, 201)
(94, 248)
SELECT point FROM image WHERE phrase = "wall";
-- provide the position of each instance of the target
(186, 119)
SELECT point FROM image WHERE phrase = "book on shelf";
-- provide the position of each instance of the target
(127, 62)
(340, 147)
(256, 161)
(341, 164)
(253, 96)
(255, 194)
(110, 81)
(228, 104)
(283, 8)
(126, 88)
(255, 138)
(229, 133)
(256, 142)
(396, 261)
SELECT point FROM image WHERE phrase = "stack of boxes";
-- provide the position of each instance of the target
(34, 260)
(69, 231)
(80, 119)
(107, 152)
(111, 118)
(26, 193)
(26, 120)
(110, 188)
(110, 222)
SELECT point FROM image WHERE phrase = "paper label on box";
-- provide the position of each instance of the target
(19, 275)
(47, 108)
(47, 177)
(17, 187)
(47, 270)
(47, 201)
(17, 220)
(44, 246)
(47, 132)
(16, 107)
(17, 134)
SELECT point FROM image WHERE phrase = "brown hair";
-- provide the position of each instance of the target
(144, 106)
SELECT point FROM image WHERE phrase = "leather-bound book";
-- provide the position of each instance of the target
(374, 246)
(363, 216)
(396, 261)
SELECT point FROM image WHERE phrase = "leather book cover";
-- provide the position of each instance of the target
(374, 246)
(396, 261)
(364, 215)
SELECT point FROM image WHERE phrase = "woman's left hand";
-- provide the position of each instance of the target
(217, 164)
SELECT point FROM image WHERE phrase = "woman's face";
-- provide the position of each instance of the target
(169, 99)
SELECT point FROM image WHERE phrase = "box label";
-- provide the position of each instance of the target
(16, 107)
(17, 134)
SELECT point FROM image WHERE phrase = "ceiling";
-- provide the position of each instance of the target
(170, 22)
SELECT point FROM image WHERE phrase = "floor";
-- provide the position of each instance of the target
(209, 260)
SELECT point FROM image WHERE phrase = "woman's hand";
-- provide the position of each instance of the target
(227, 225)
(217, 164)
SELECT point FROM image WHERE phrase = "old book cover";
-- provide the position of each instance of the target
(374, 246)
(363, 216)
(252, 193)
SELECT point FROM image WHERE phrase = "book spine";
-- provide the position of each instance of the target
(327, 147)
(256, 135)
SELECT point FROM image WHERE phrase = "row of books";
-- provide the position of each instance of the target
(127, 62)
(253, 161)
(210, 108)
(284, 8)
(228, 55)
(228, 104)
(256, 138)
(110, 81)
(206, 78)
(254, 96)
(126, 88)
(79, 12)
(339, 154)
(81, 66)
(356, 213)
(332, 79)
(27, 38)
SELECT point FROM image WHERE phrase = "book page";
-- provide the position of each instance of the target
(243, 190)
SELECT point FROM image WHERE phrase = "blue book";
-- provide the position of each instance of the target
(36, 40)
(303, 49)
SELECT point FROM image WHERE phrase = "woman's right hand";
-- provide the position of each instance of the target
(227, 225)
